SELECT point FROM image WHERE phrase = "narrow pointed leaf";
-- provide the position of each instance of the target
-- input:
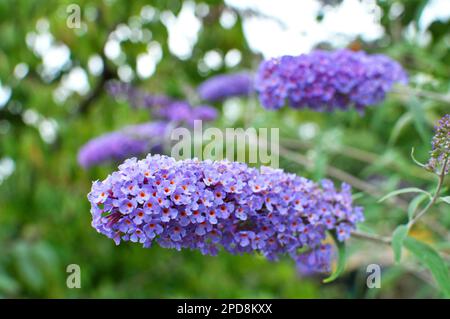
(431, 259)
(398, 237)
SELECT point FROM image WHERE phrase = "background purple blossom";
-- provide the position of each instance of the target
(325, 81)
(223, 86)
(132, 140)
(207, 205)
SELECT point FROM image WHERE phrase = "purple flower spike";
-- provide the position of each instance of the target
(207, 205)
(220, 87)
(116, 146)
(440, 153)
(325, 81)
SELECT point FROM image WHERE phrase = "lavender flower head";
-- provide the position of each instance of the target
(205, 205)
(440, 153)
(132, 140)
(325, 81)
(220, 87)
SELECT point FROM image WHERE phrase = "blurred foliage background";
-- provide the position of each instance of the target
(52, 100)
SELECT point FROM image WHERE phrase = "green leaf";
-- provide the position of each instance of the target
(414, 204)
(402, 122)
(445, 199)
(340, 261)
(28, 273)
(398, 237)
(403, 191)
(8, 285)
(418, 115)
(431, 259)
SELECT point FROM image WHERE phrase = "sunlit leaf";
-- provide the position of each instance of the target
(398, 237)
(431, 259)
(399, 126)
(445, 199)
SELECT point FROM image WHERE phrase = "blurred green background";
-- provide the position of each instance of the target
(52, 100)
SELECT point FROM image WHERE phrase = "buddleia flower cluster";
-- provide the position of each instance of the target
(207, 206)
(440, 153)
(325, 81)
(221, 87)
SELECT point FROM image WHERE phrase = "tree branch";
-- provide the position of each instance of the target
(106, 75)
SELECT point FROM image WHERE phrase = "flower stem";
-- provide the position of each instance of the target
(433, 199)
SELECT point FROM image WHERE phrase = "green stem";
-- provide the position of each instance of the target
(433, 199)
